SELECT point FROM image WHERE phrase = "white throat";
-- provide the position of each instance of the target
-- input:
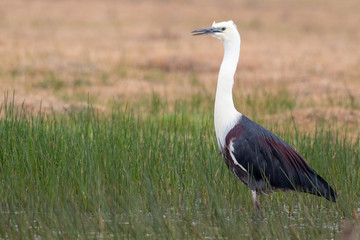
(226, 115)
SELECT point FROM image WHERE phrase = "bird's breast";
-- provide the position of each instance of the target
(223, 124)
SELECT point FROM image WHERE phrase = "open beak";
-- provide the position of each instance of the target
(204, 31)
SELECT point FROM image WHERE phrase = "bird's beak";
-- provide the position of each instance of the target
(205, 31)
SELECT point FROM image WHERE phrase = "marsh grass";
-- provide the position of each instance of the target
(154, 176)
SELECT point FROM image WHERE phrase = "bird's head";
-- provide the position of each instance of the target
(225, 31)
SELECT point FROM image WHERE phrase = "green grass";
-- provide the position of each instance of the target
(125, 175)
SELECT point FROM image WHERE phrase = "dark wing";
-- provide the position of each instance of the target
(271, 162)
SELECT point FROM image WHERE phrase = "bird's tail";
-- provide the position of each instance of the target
(318, 186)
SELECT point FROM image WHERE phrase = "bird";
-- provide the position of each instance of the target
(256, 156)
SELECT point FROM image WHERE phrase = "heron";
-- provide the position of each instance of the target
(256, 156)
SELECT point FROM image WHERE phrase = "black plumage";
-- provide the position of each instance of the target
(268, 163)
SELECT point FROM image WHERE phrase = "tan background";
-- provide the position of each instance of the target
(64, 53)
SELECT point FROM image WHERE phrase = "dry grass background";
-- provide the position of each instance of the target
(64, 53)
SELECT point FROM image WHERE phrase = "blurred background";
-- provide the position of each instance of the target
(299, 59)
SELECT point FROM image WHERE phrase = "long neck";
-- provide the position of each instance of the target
(226, 75)
(225, 112)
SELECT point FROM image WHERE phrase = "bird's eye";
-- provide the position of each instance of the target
(223, 29)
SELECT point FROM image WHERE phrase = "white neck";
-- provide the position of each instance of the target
(226, 115)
